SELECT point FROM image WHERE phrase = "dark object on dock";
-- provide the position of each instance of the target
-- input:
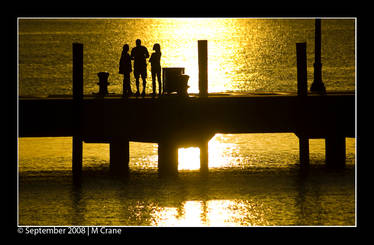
(317, 85)
(174, 80)
(103, 83)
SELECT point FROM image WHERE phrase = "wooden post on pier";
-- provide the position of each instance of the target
(119, 156)
(77, 108)
(203, 67)
(302, 82)
(167, 158)
(302, 91)
(317, 85)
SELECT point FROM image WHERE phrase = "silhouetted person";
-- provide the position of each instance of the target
(139, 54)
(156, 68)
(125, 69)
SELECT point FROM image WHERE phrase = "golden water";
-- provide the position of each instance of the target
(254, 178)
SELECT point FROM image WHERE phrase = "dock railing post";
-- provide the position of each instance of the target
(302, 91)
(203, 67)
(77, 108)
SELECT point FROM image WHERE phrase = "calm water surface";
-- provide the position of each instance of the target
(254, 180)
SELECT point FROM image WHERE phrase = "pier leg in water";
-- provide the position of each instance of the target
(77, 111)
(77, 158)
(204, 157)
(335, 151)
(203, 67)
(304, 150)
(119, 157)
(167, 158)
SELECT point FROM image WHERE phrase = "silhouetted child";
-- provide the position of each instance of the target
(156, 68)
(125, 69)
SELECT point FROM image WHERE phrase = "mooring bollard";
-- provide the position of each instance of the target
(103, 83)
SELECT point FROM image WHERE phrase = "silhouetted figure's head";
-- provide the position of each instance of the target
(138, 42)
(156, 47)
(126, 48)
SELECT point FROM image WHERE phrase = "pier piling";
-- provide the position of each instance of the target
(167, 158)
(119, 156)
(335, 151)
(302, 83)
(203, 67)
(317, 85)
(304, 150)
(302, 92)
(204, 157)
(77, 109)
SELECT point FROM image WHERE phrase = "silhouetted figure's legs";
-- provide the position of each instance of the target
(159, 82)
(156, 75)
(126, 85)
(144, 84)
(137, 86)
(154, 83)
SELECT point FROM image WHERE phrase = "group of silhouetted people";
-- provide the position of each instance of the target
(139, 54)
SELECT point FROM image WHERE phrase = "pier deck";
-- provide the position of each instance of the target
(150, 119)
(173, 122)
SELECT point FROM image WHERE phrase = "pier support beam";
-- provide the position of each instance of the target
(335, 151)
(119, 157)
(77, 108)
(204, 157)
(167, 158)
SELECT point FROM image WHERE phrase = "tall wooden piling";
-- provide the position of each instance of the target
(203, 67)
(302, 91)
(302, 83)
(77, 109)
(317, 85)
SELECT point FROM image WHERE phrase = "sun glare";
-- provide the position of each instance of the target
(190, 30)
(219, 154)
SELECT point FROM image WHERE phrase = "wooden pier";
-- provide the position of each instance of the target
(174, 121)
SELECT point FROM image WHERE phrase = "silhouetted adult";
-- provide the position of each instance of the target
(125, 69)
(139, 54)
(156, 68)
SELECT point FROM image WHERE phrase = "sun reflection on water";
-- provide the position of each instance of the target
(220, 154)
(210, 213)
